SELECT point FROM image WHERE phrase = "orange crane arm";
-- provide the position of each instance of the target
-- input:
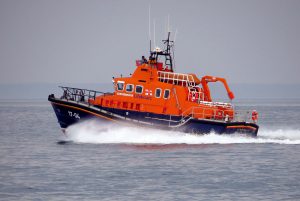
(207, 78)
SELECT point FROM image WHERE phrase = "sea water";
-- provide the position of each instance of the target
(109, 162)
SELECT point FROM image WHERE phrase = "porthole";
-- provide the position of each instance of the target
(129, 88)
(139, 89)
(120, 86)
(157, 93)
(167, 94)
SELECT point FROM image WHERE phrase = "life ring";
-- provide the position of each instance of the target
(219, 114)
(254, 115)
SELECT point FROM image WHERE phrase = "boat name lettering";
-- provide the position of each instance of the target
(124, 94)
(142, 97)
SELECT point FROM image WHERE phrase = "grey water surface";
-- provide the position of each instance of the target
(35, 166)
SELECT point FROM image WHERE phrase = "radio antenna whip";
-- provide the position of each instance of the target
(168, 23)
(175, 35)
(150, 25)
(176, 31)
(154, 33)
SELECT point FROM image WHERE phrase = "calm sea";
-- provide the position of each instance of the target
(105, 162)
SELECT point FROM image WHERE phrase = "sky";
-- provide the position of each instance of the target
(72, 41)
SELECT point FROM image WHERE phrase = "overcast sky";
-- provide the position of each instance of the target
(90, 41)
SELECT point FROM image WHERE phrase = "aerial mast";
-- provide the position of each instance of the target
(150, 26)
(167, 52)
(156, 52)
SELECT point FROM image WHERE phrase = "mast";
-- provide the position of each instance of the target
(166, 52)
(168, 56)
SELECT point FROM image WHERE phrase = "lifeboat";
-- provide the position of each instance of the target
(155, 96)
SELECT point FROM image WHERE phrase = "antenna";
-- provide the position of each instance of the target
(175, 35)
(150, 25)
(149, 22)
(176, 31)
(168, 25)
(154, 34)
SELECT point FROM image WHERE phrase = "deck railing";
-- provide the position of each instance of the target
(80, 95)
(176, 78)
(226, 115)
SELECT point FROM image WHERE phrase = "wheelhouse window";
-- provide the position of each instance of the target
(157, 93)
(129, 87)
(167, 94)
(120, 86)
(139, 89)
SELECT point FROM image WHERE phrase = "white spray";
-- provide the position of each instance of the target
(93, 132)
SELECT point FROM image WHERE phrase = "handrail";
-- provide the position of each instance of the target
(227, 105)
(78, 94)
(176, 78)
(216, 114)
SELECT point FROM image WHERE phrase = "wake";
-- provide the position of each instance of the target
(92, 132)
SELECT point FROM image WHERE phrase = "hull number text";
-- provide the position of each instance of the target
(74, 114)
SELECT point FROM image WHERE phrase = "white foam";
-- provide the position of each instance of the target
(92, 132)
